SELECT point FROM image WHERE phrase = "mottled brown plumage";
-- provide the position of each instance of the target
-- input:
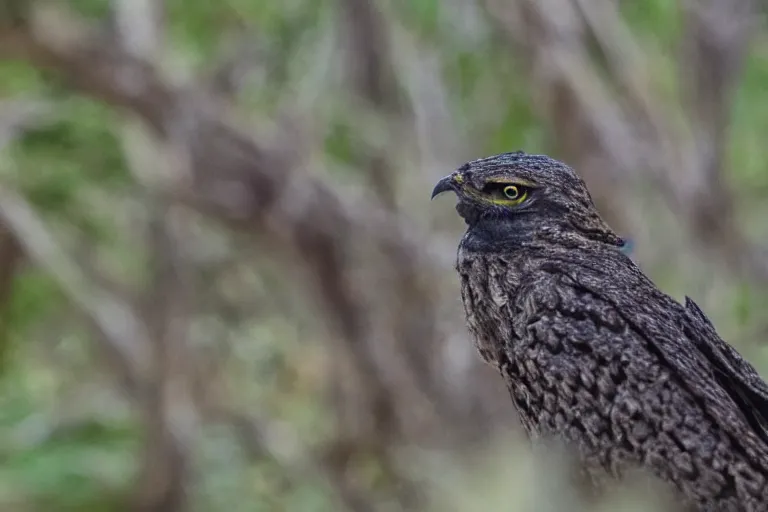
(592, 352)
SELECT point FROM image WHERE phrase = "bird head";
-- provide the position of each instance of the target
(515, 197)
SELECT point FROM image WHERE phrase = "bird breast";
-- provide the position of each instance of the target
(488, 288)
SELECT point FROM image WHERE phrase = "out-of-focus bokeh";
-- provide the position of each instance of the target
(223, 285)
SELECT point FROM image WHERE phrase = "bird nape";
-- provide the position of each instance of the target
(593, 354)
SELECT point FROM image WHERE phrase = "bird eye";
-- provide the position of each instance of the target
(512, 192)
(505, 194)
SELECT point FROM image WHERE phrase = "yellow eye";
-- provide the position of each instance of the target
(512, 192)
(505, 194)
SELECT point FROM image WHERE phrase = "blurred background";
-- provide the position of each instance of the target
(223, 285)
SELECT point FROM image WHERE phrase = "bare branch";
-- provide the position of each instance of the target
(636, 133)
(168, 411)
(686, 165)
(237, 61)
(258, 189)
(16, 117)
(373, 79)
(124, 332)
(53, 38)
(714, 48)
(138, 26)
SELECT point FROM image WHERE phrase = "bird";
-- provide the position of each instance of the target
(592, 352)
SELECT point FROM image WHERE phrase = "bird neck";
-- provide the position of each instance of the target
(496, 235)
(508, 235)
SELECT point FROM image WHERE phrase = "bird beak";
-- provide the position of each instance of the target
(446, 184)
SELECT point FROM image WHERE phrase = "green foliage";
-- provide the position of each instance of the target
(18, 79)
(34, 297)
(54, 465)
(750, 123)
(92, 9)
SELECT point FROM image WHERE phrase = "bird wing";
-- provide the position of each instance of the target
(728, 387)
(737, 376)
